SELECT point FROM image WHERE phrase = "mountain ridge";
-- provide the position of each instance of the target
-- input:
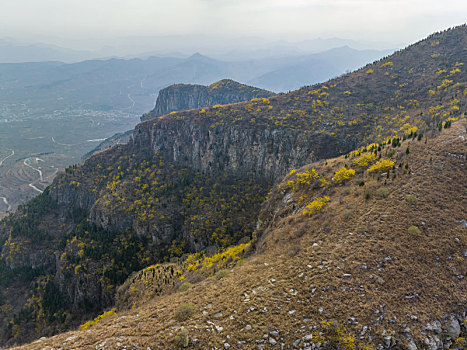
(196, 179)
(302, 286)
(193, 96)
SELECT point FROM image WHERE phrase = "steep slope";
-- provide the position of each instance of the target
(413, 89)
(184, 96)
(380, 266)
(195, 180)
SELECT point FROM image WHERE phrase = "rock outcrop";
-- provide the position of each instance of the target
(179, 97)
(246, 152)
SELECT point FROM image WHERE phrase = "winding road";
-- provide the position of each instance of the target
(11, 155)
(5, 200)
(133, 101)
(40, 175)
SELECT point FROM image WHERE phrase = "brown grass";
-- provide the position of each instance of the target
(356, 268)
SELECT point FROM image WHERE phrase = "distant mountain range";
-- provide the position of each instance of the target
(226, 49)
(131, 85)
(312, 69)
(14, 52)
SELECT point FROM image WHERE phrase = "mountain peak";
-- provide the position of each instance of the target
(179, 97)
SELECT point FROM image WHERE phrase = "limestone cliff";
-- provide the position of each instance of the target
(256, 152)
(186, 96)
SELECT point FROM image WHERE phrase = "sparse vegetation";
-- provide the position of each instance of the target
(221, 274)
(381, 166)
(315, 206)
(184, 311)
(346, 214)
(382, 192)
(98, 319)
(343, 174)
(182, 338)
(411, 199)
(185, 286)
(360, 255)
(414, 231)
(365, 160)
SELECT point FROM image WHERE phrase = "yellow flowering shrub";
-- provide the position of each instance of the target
(304, 178)
(381, 166)
(315, 206)
(365, 160)
(343, 174)
(99, 318)
(198, 261)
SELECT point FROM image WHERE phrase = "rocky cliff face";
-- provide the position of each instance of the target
(246, 152)
(184, 96)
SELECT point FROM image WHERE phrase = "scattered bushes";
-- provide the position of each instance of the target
(381, 166)
(99, 318)
(365, 160)
(182, 339)
(346, 214)
(221, 274)
(414, 231)
(305, 178)
(343, 174)
(411, 199)
(316, 205)
(184, 311)
(185, 286)
(382, 192)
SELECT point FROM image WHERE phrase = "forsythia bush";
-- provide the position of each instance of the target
(381, 166)
(316, 205)
(305, 178)
(99, 318)
(196, 261)
(343, 174)
(365, 161)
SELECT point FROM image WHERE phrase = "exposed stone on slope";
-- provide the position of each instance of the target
(261, 153)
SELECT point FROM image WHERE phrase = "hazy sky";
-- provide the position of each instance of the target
(395, 21)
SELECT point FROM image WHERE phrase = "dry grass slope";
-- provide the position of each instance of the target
(350, 281)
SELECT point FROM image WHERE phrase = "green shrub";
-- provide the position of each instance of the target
(411, 199)
(367, 196)
(382, 192)
(185, 286)
(221, 274)
(182, 339)
(346, 214)
(184, 311)
(414, 231)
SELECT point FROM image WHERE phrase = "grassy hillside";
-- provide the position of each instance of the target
(380, 263)
(415, 87)
(66, 253)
